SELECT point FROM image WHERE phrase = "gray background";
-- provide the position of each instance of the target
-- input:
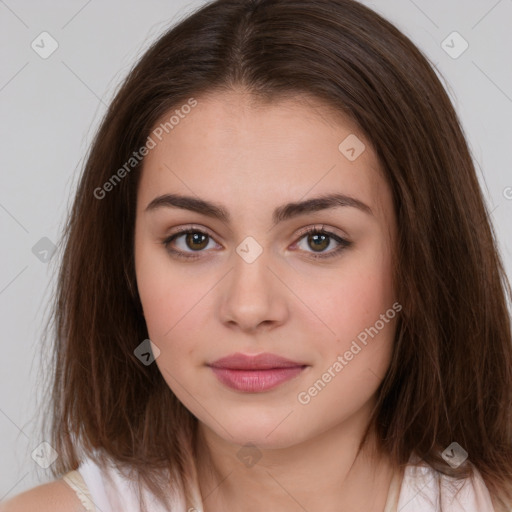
(51, 107)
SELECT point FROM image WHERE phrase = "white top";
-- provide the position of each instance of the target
(419, 491)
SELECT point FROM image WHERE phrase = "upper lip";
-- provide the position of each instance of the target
(263, 361)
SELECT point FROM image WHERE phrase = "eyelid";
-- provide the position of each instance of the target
(321, 227)
(341, 239)
(183, 230)
(303, 231)
(191, 227)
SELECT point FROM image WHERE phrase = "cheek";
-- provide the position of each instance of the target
(165, 293)
(352, 366)
(345, 302)
(168, 309)
(368, 295)
(176, 308)
(170, 305)
(369, 314)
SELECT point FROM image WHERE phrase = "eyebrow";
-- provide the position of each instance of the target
(280, 214)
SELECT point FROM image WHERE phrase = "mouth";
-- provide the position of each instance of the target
(254, 374)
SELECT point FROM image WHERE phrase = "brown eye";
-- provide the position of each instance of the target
(195, 240)
(318, 241)
(186, 242)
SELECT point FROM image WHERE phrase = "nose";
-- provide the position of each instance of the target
(253, 296)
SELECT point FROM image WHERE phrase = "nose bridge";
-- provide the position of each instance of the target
(252, 295)
(250, 274)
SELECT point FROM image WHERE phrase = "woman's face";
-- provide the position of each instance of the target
(255, 282)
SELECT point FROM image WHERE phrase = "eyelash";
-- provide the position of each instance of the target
(343, 243)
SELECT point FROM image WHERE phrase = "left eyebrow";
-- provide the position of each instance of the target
(280, 214)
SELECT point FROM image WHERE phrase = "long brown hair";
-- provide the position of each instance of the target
(450, 378)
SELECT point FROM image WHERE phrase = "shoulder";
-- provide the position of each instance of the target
(424, 488)
(56, 496)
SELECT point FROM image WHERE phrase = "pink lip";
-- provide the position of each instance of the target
(255, 373)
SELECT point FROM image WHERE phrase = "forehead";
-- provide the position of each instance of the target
(245, 151)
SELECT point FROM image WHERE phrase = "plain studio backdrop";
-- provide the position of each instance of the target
(60, 64)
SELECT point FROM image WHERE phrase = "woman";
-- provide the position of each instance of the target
(280, 287)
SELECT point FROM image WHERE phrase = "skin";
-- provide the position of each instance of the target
(252, 158)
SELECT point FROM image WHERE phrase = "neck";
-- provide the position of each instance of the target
(323, 472)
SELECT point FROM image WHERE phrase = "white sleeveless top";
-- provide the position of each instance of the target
(418, 491)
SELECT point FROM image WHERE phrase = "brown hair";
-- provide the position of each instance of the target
(450, 378)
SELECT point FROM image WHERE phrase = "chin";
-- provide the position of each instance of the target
(262, 434)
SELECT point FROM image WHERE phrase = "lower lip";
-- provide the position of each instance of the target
(254, 381)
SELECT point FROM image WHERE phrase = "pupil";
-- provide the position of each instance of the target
(319, 238)
(195, 238)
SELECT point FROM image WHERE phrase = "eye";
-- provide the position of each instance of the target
(193, 238)
(320, 239)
